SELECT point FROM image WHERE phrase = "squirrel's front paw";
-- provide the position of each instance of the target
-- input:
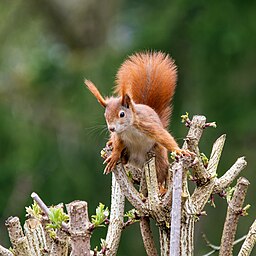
(184, 152)
(111, 163)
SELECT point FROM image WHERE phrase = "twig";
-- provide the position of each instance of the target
(224, 181)
(233, 213)
(45, 209)
(249, 241)
(116, 218)
(216, 247)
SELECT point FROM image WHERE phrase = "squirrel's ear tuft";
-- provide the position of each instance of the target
(95, 92)
(126, 101)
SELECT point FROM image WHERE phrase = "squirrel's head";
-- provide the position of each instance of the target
(118, 111)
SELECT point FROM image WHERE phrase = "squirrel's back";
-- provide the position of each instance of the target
(149, 78)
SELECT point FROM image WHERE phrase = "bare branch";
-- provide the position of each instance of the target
(192, 139)
(116, 218)
(17, 238)
(79, 227)
(176, 209)
(216, 247)
(215, 155)
(249, 241)
(60, 244)
(36, 236)
(224, 181)
(202, 194)
(164, 241)
(191, 143)
(5, 252)
(233, 213)
(128, 189)
(147, 237)
(152, 185)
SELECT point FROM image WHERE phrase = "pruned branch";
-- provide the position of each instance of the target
(195, 132)
(116, 218)
(176, 209)
(152, 184)
(147, 237)
(128, 189)
(17, 238)
(80, 233)
(35, 234)
(202, 194)
(224, 181)
(233, 212)
(249, 242)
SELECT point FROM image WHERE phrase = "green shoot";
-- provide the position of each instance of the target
(101, 216)
(56, 216)
(229, 193)
(34, 211)
(184, 118)
(204, 159)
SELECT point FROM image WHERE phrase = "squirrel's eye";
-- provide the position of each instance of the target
(121, 114)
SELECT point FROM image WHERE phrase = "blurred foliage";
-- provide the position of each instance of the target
(52, 129)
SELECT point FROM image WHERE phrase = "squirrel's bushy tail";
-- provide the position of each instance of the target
(149, 78)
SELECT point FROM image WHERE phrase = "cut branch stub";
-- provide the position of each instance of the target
(152, 184)
(192, 140)
(233, 212)
(201, 194)
(79, 228)
(36, 237)
(17, 238)
(224, 181)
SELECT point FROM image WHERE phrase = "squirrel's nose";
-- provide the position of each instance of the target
(112, 128)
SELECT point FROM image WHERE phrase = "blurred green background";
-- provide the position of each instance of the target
(52, 128)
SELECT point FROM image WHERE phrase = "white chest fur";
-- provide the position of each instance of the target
(138, 144)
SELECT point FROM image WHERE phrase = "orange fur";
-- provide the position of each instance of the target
(149, 78)
(95, 92)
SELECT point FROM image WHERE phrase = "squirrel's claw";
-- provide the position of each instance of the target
(111, 163)
(184, 152)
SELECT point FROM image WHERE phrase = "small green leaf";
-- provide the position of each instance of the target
(184, 118)
(204, 159)
(101, 215)
(229, 193)
(244, 210)
(34, 211)
(56, 216)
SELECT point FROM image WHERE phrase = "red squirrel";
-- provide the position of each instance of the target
(138, 118)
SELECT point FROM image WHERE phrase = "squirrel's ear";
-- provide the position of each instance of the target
(95, 92)
(126, 101)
